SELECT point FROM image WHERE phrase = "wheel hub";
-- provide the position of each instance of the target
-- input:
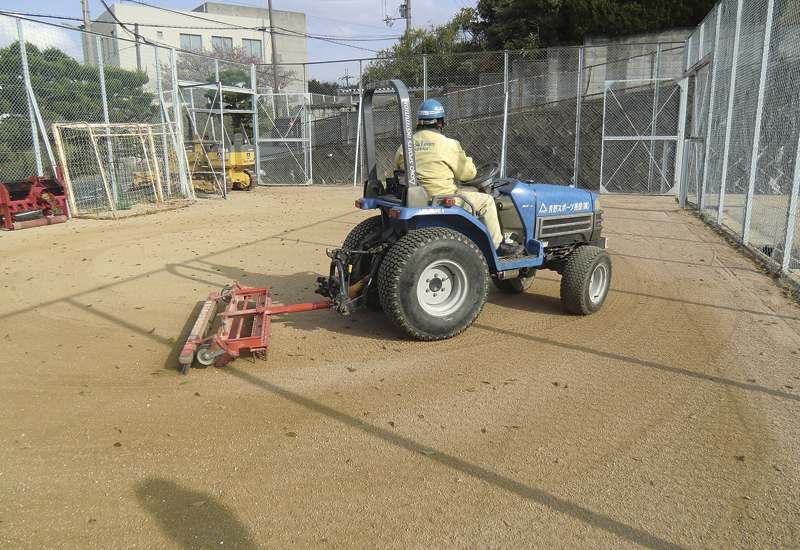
(597, 284)
(435, 284)
(442, 288)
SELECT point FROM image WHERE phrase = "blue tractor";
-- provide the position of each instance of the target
(427, 261)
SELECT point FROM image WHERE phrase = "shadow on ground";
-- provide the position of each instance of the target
(194, 519)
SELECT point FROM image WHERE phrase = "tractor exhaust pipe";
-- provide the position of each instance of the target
(508, 274)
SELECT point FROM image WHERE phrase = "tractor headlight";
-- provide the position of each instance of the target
(597, 203)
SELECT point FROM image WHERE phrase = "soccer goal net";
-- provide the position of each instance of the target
(119, 170)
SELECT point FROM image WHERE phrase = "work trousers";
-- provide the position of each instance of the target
(486, 212)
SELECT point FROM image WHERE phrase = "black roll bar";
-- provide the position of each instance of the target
(406, 127)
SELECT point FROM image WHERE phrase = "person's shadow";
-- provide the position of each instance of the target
(192, 518)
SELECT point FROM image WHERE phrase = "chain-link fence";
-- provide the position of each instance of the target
(743, 152)
(538, 112)
(717, 118)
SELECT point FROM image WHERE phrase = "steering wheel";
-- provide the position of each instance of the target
(486, 173)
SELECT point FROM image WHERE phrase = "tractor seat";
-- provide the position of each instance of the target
(416, 197)
(412, 197)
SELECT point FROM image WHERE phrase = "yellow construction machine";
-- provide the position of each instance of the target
(206, 164)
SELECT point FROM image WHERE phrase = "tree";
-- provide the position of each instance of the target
(517, 24)
(403, 60)
(66, 91)
(69, 91)
(525, 24)
(200, 67)
(322, 88)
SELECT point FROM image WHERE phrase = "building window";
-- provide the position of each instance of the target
(252, 47)
(159, 34)
(222, 43)
(191, 42)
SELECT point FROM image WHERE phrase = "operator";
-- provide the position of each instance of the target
(440, 160)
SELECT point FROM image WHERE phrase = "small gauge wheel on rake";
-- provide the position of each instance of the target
(226, 293)
(205, 358)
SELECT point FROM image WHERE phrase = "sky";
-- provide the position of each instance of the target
(346, 29)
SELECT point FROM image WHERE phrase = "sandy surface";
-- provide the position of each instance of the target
(669, 419)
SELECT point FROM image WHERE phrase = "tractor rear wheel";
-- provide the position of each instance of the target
(367, 231)
(518, 285)
(586, 279)
(433, 283)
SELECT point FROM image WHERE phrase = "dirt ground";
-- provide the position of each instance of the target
(668, 420)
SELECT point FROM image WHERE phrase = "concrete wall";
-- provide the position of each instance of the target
(169, 25)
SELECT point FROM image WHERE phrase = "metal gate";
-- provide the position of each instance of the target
(284, 139)
(642, 136)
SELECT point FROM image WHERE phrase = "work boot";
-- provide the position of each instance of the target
(506, 250)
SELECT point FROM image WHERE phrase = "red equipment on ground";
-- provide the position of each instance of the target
(245, 325)
(33, 202)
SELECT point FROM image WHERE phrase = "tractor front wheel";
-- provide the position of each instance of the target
(586, 279)
(433, 283)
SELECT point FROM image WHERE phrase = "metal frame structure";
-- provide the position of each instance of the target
(283, 144)
(641, 138)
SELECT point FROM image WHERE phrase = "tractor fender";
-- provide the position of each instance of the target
(405, 219)
(458, 220)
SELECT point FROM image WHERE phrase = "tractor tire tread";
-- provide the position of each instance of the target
(575, 278)
(392, 269)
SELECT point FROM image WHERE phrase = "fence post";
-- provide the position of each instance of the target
(504, 139)
(424, 77)
(711, 102)
(256, 146)
(357, 164)
(606, 84)
(579, 94)
(164, 120)
(222, 148)
(104, 97)
(791, 213)
(26, 77)
(654, 124)
(731, 91)
(186, 183)
(762, 85)
(680, 144)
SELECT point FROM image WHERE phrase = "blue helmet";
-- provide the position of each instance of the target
(430, 110)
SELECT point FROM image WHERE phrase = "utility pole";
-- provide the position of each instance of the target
(138, 47)
(89, 51)
(273, 48)
(405, 13)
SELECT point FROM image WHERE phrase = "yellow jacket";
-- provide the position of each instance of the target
(439, 159)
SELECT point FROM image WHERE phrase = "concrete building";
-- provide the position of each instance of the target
(209, 27)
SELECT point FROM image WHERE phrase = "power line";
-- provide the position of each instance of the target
(322, 38)
(42, 15)
(121, 24)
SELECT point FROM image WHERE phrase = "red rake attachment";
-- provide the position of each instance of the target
(245, 325)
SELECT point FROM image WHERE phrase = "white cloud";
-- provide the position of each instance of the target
(41, 35)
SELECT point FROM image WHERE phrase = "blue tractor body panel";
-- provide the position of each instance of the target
(534, 202)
